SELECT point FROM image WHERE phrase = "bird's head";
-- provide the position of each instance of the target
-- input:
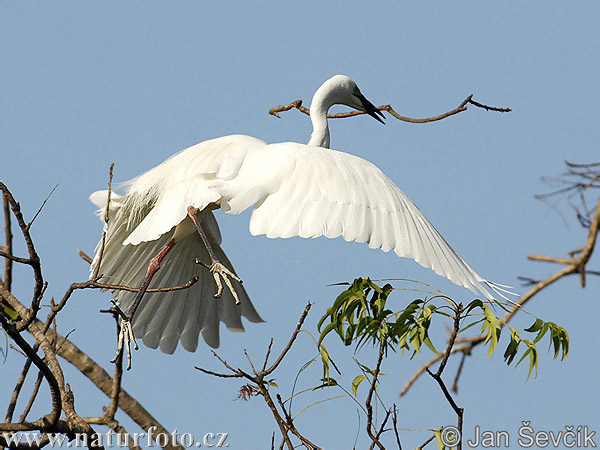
(342, 90)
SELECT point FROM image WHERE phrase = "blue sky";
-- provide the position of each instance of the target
(88, 84)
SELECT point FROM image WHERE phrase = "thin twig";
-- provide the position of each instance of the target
(34, 261)
(460, 108)
(85, 257)
(8, 247)
(261, 386)
(395, 423)
(426, 442)
(34, 393)
(368, 402)
(106, 218)
(115, 393)
(458, 410)
(41, 207)
(459, 372)
(451, 340)
(290, 342)
(104, 382)
(52, 418)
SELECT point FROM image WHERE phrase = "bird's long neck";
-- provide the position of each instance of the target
(318, 115)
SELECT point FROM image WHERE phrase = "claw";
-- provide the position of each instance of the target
(222, 274)
(125, 339)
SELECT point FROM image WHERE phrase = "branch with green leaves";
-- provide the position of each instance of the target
(363, 314)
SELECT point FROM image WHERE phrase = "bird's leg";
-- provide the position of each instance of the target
(126, 336)
(216, 267)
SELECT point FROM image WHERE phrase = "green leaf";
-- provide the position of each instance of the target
(513, 346)
(438, 439)
(492, 324)
(542, 332)
(469, 326)
(533, 357)
(474, 304)
(326, 382)
(537, 325)
(326, 331)
(429, 344)
(306, 364)
(14, 315)
(325, 360)
(356, 382)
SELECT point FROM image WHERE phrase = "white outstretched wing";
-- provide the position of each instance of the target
(322, 192)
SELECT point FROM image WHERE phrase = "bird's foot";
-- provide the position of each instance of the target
(222, 274)
(125, 337)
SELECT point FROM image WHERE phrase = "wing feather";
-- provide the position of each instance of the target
(323, 192)
(163, 319)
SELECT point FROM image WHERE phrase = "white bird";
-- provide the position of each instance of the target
(296, 190)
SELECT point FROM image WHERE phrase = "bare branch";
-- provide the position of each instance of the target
(34, 261)
(459, 372)
(8, 248)
(450, 341)
(103, 381)
(85, 257)
(41, 207)
(51, 419)
(460, 108)
(369, 404)
(106, 218)
(36, 390)
(290, 342)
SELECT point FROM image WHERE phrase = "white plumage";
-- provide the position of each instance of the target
(296, 190)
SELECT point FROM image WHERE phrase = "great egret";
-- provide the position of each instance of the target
(296, 190)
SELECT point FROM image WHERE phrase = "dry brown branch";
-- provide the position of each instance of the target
(369, 403)
(33, 261)
(106, 218)
(34, 393)
(53, 344)
(8, 248)
(460, 108)
(459, 372)
(50, 419)
(84, 256)
(91, 284)
(260, 386)
(74, 422)
(290, 342)
(437, 376)
(41, 207)
(426, 442)
(103, 381)
(27, 365)
(109, 413)
(395, 428)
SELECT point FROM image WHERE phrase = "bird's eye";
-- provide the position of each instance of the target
(356, 91)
